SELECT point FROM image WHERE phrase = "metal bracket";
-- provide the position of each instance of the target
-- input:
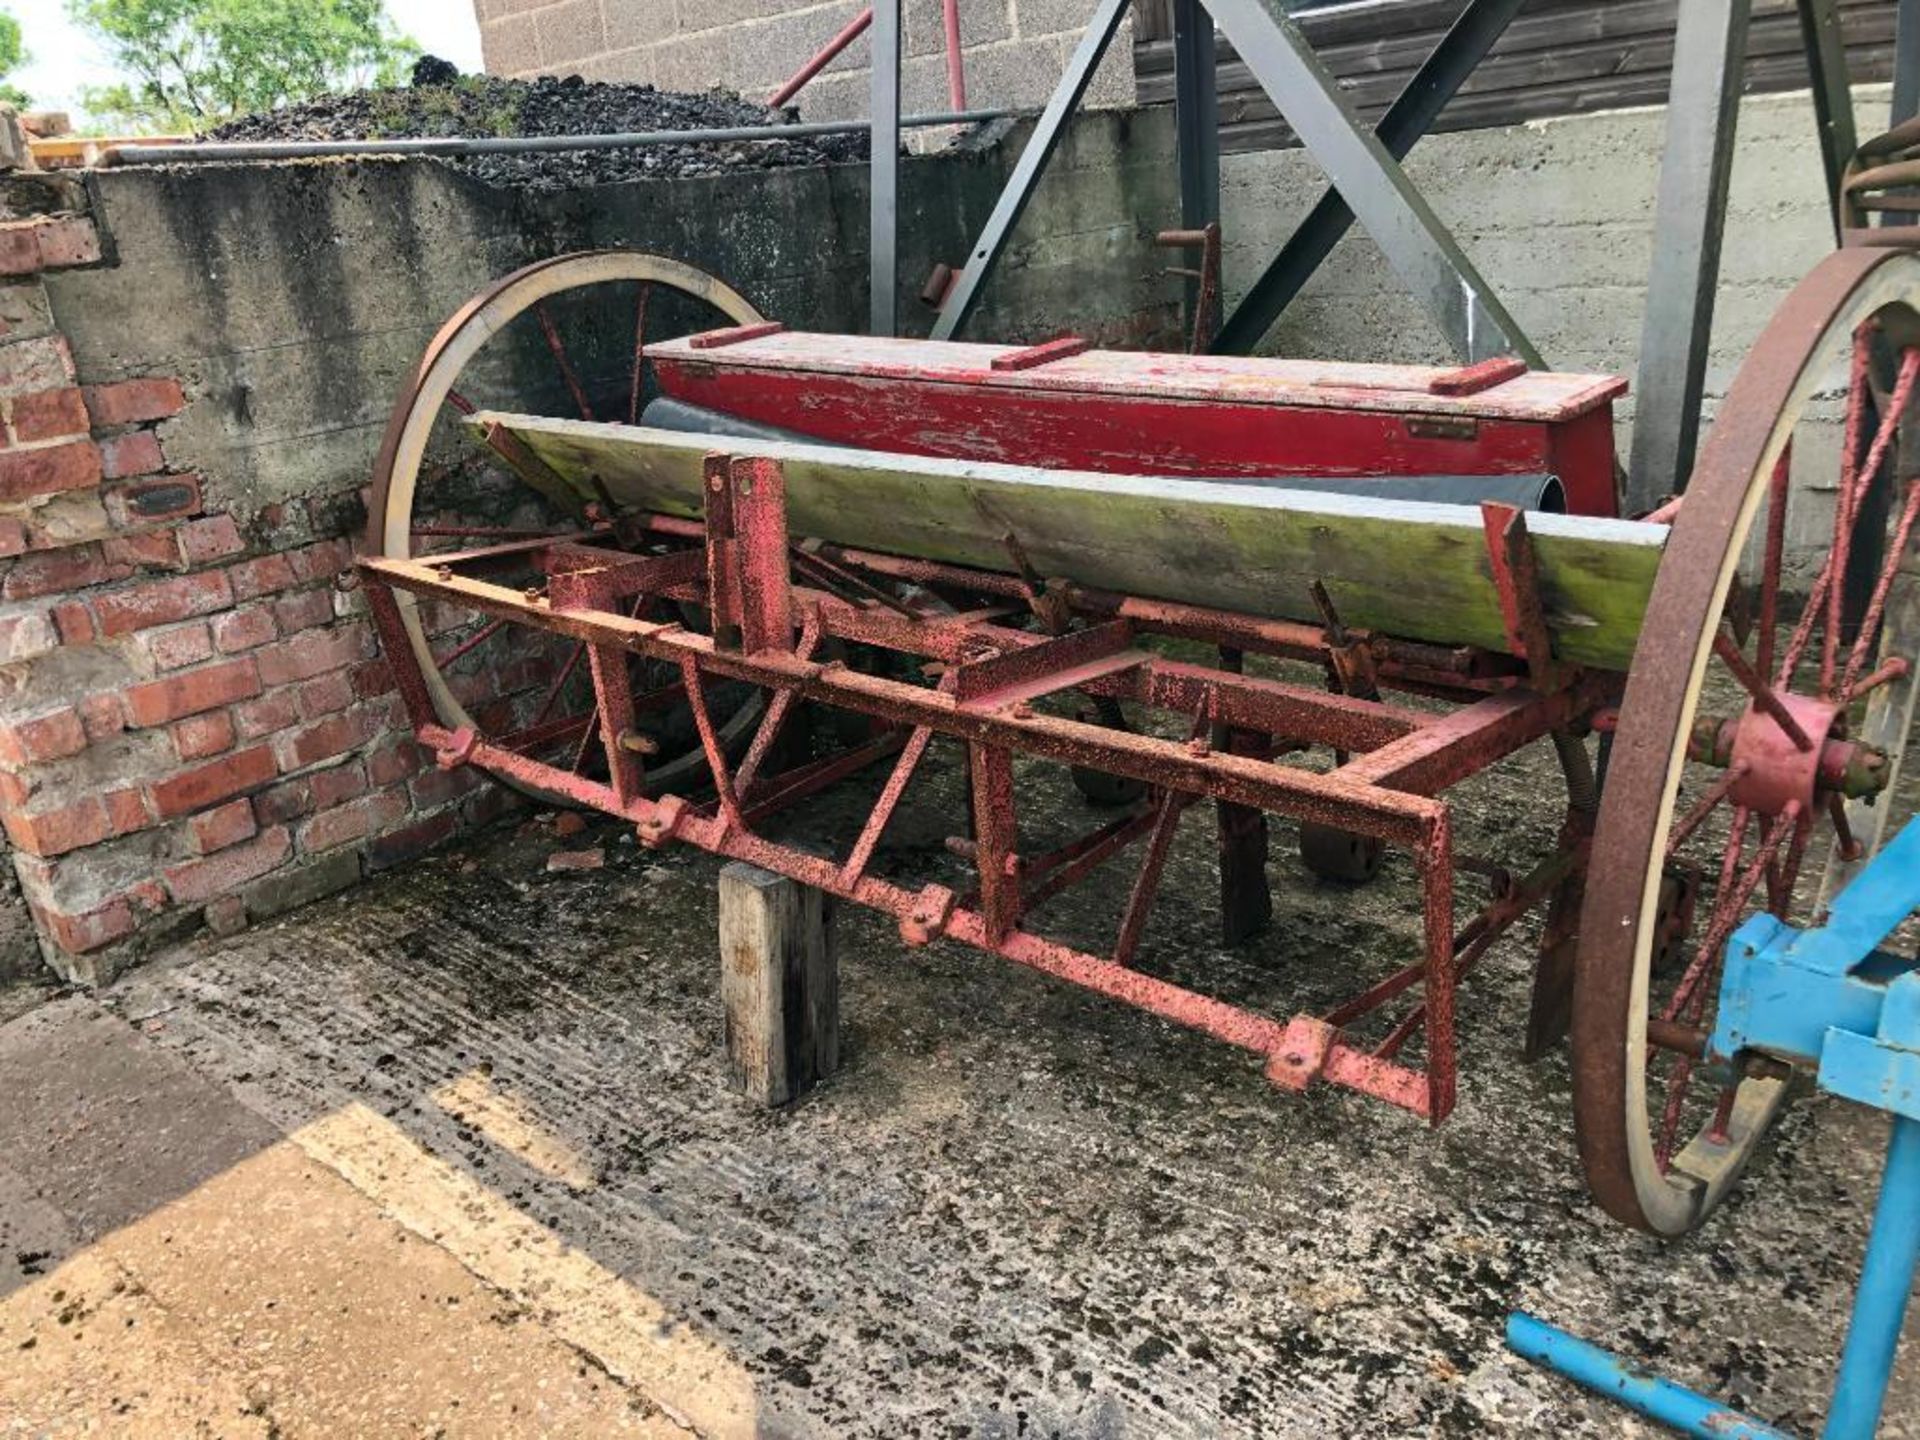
(1516, 575)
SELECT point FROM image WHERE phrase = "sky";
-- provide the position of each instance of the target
(63, 60)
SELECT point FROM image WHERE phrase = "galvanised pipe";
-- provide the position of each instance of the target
(462, 146)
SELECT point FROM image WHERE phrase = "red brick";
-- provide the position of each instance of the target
(280, 803)
(54, 832)
(13, 536)
(326, 694)
(243, 629)
(102, 716)
(137, 453)
(19, 248)
(206, 688)
(159, 602)
(78, 934)
(58, 572)
(74, 622)
(48, 470)
(198, 881)
(214, 538)
(152, 502)
(410, 840)
(373, 678)
(67, 240)
(335, 735)
(52, 736)
(322, 561)
(217, 829)
(199, 736)
(47, 415)
(210, 784)
(347, 823)
(132, 401)
(336, 786)
(394, 761)
(127, 810)
(156, 549)
(435, 788)
(313, 652)
(271, 712)
(179, 646)
(254, 578)
(226, 915)
(304, 611)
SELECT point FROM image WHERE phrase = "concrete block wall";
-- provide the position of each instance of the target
(1015, 50)
(196, 363)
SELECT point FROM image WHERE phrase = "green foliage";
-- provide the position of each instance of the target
(194, 63)
(11, 58)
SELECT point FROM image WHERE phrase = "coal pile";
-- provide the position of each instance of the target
(483, 105)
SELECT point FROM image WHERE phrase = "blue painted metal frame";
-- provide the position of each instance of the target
(1832, 998)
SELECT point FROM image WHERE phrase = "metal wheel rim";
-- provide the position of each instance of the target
(403, 445)
(1611, 997)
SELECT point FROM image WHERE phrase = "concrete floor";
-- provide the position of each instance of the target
(454, 1155)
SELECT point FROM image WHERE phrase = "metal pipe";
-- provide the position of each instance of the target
(460, 146)
(1886, 1283)
(831, 49)
(956, 65)
(1605, 1374)
(883, 171)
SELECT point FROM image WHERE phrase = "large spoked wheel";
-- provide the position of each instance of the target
(1746, 728)
(563, 336)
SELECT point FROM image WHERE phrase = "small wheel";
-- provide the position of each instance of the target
(563, 336)
(1110, 792)
(1335, 854)
(1716, 807)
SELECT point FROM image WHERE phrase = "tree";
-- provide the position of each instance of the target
(194, 63)
(11, 58)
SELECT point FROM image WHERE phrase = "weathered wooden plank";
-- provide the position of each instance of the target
(779, 984)
(1405, 568)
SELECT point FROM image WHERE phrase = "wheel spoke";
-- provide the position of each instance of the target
(1882, 587)
(1706, 805)
(472, 642)
(560, 359)
(1845, 500)
(639, 352)
(1762, 694)
(1773, 556)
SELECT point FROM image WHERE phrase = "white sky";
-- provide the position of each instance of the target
(63, 59)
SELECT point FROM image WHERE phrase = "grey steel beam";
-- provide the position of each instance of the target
(1416, 244)
(1196, 111)
(1703, 111)
(883, 169)
(1832, 93)
(1906, 63)
(1466, 43)
(1019, 188)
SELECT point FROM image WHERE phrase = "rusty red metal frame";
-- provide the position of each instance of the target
(768, 625)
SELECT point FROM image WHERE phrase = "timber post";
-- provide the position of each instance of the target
(779, 983)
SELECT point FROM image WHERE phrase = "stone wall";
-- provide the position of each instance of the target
(1015, 50)
(196, 726)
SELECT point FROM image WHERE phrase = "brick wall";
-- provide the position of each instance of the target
(1015, 49)
(194, 724)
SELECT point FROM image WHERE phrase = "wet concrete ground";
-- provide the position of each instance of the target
(1018, 1210)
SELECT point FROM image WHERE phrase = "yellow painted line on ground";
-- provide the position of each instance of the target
(506, 1120)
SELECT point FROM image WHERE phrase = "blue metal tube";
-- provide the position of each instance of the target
(1886, 1282)
(1606, 1374)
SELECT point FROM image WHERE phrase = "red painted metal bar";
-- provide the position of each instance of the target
(956, 61)
(852, 31)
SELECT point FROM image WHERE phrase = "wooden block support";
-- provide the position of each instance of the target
(780, 983)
